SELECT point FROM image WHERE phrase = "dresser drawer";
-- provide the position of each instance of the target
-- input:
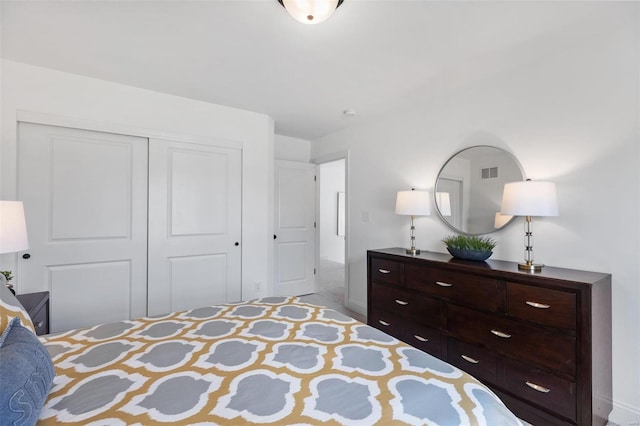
(387, 271)
(548, 391)
(470, 290)
(392, 299)
(545, 306)
(425, 310)
(386, 322)
(424, 338)
(516, 340)
(400, 302)
(475, 360)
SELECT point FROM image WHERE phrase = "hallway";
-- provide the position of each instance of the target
(331, 291)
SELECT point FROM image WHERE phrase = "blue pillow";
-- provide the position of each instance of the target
(26, 374)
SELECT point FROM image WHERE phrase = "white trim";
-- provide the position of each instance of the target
(327, 158)
(624, 414)
(122, 129)
(334, 156)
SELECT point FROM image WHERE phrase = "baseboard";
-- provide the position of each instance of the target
(624, 415)
(356, 307)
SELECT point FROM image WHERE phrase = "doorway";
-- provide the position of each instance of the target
(332, 231)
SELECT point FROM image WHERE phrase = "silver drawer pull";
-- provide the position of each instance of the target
(537, 387)
(500, 334)
(422, 339)
(469, 359)
(443, 284)
(402, 302)
(538, 305)
(384, 323)
(384, 271)
(40, 324)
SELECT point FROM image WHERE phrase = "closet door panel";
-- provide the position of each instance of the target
(110, 282)
(194, 225)
(207, 280)
(85, 196)
(198, 186)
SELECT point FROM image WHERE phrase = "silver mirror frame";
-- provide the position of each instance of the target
(439, 176)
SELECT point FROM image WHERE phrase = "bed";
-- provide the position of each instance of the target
(274, 360)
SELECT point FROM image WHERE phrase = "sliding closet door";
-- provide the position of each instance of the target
(85, 198)
(194, 225)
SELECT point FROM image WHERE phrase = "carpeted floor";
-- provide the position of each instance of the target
(331, 289)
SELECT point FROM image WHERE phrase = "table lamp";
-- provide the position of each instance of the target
(528, 199)
(413, 203)
(13, 230)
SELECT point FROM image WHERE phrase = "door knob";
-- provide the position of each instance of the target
(236, 244)
(26, 256)
(275, 236)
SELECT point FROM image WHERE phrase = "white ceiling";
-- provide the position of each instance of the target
(370, 56)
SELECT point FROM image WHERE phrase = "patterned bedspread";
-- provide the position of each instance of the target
(272, 360)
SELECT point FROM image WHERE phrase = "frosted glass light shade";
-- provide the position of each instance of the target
(310, 11)
(13, 227)
(529, 198)
(413, 203)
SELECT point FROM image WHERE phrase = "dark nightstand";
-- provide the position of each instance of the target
(37, 306)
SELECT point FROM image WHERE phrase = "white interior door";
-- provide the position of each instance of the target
(194, 225)
(85, 197)
(295, 197)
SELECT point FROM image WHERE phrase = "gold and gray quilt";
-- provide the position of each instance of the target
(272, 360)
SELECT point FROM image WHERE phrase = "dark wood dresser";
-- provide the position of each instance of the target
(541, 341)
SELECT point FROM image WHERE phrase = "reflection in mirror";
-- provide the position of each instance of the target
(469, 189)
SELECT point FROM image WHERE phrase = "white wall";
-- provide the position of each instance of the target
(331, 177)
(571, 117)
(292, 149)
(41, 90)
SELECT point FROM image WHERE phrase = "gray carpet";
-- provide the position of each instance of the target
(331, 289)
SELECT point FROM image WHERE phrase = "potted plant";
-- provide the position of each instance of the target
(470, 247)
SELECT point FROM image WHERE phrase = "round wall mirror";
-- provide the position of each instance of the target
(468, 189)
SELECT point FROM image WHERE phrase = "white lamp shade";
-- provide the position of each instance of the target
(443, 201)
(413, 203)
(529, 198)
(310, 11)
(13, 228)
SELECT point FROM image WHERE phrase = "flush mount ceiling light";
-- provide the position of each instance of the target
(310, 11)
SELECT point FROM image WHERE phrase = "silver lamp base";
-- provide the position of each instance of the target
(413, 250)
(528, 264)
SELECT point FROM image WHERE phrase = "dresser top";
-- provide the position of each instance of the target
(497, 267)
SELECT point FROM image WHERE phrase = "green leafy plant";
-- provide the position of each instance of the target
(7, 275)
(469, 242)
